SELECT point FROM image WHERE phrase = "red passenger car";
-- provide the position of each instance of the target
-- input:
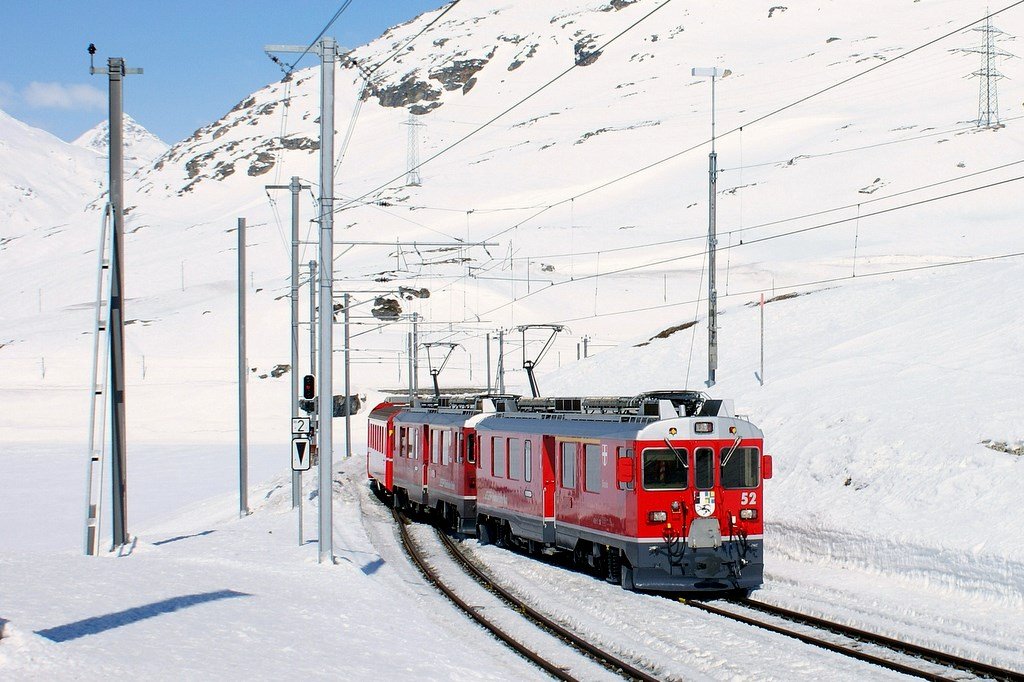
(380, 448)
(428, 460)
(661, 491)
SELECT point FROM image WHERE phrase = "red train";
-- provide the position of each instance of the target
(661, 491)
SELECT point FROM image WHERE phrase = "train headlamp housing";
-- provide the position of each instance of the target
(703, 427)
(748, 514)
(657, 516)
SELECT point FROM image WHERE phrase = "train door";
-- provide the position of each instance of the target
(389, 453)
(425, 454)
(567, 458)
(547, 467)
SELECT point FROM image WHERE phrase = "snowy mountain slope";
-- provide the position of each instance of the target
(630, 105)
(43, 181)
(881, 388)
(141, 147)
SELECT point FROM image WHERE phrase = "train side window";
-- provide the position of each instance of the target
(665, 469)
(435, 445)
(568, 464)
(624, 453)
(527, 461)
(515, 459)
(415, 447)
(592, 467)
(471, 450)
(498, 457)
(460, 440)
(704, 463)
(742, 469)
(446, 447)
(403, 435)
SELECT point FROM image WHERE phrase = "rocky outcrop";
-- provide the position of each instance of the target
(586, 50)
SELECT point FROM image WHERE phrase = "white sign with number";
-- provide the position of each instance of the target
(302, 458)
(300, 425)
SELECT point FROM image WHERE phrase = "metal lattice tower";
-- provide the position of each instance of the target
(988, 74)
(412, 176)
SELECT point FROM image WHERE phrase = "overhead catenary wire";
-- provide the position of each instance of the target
(664, 261)
(320, 35)
(809, 283)
(753, 121)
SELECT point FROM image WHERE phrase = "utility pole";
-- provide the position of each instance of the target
(116, 71)
(488, 362)
(501, 361)
(415, 353)
(348, 386)
(296, 187)
(327, 49)
(328, 57)
(313, 429)
(714, 73)
(243, 437)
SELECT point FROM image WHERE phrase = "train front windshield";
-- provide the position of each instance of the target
(664, 469)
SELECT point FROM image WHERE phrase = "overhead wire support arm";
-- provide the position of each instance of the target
(528, 365)
(435, 372)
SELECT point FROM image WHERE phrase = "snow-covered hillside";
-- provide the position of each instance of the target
(44, 183)
(575, 140)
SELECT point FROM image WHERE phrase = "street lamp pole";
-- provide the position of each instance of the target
(714, 73)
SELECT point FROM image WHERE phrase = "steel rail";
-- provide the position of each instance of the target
(940, 657)
(859, 636)
(431, 576)
(610, 661)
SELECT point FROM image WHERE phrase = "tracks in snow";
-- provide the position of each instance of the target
(880, 650)
(563, 654)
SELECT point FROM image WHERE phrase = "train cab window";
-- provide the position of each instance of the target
(460, 440)
(515, 459)
(624, 453)
(704, 465)
(435, 445)
(742, 469)
(592, 467)
(499, 458)
(568, 465)
(527, 461)
(403, 437)
(665, 469)
(471, 450)
(414, 443)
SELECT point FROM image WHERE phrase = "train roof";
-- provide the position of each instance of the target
(595, 415)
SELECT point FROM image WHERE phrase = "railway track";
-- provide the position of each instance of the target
(880, 650)
(608, 661)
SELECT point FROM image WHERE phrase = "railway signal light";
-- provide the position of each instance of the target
(309, 387)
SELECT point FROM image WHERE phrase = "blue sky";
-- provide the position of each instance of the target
(199, 57)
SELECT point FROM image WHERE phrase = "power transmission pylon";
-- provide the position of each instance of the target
(988, 74)
(412, 176)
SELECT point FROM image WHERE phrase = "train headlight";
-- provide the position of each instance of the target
(703, 427)
(748, 514)
(657, 516)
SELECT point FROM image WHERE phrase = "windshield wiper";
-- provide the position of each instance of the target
(675, 452)
(728, 455)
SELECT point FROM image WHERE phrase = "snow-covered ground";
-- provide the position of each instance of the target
(880, 390)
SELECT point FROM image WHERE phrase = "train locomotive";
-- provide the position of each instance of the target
(660, 491)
